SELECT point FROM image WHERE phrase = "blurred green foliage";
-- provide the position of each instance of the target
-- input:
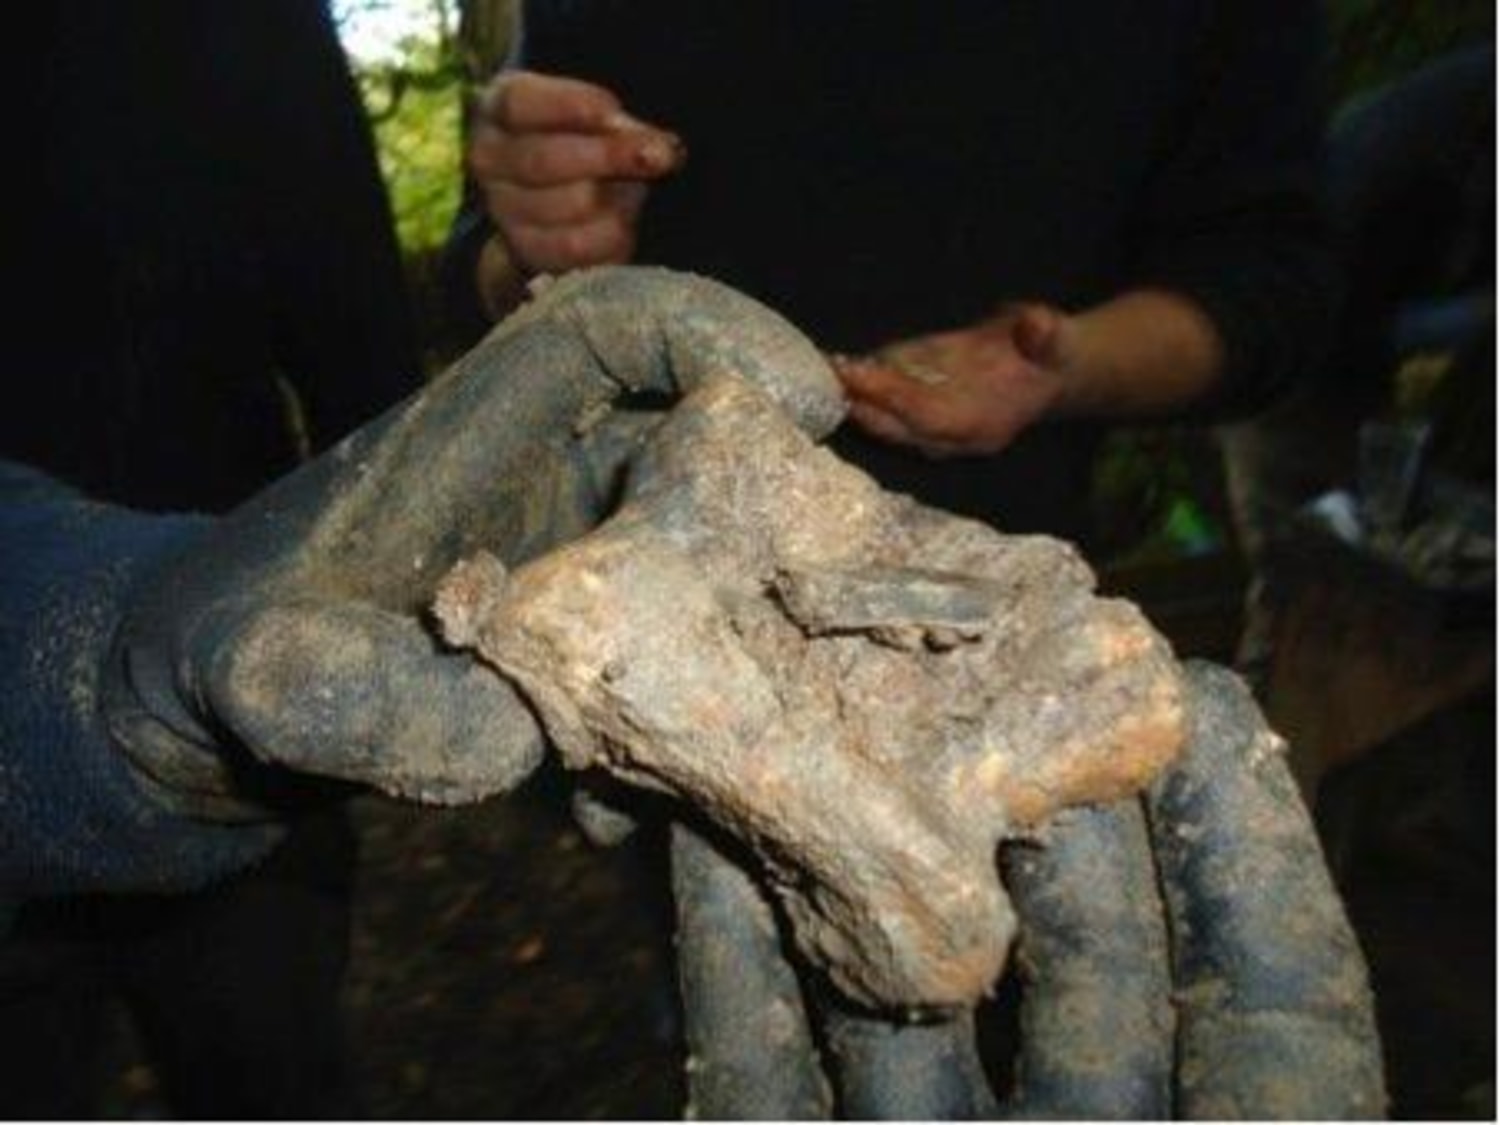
(416, 111)
(407, 61)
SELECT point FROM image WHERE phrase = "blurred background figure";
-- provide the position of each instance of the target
(1063, 229)
(1410, 186)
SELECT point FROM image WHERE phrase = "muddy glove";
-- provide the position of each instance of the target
(290, 634)
(858, 699)
(295, 628)
(1184, 955)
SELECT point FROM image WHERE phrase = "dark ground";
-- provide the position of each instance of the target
(504, 967)
(501, 967)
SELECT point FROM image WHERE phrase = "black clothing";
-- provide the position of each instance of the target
(1412, 200)
(234, 991)
(201, 226)
(200, 213)
(881, 170)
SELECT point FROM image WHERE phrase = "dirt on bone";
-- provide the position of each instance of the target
(870, 692)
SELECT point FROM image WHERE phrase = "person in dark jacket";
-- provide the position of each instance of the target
(207, 251)
(1051, 215)
(205, 289)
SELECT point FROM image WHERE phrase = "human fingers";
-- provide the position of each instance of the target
(564, 204)
(887, 385)
(1093, 963)
(607, 239)
(887, 427)
(544, 159)
(1041, 335)
(905, 404)
(526, 101)
(880, 423)
(1037, 334)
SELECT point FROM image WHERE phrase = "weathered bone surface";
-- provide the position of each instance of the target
(872, 693)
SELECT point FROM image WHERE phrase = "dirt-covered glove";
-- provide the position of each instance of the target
(1181, 955)
(857, 699)
(292, 633)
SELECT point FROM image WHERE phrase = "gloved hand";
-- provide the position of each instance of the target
(292, 633)
(1183, 955)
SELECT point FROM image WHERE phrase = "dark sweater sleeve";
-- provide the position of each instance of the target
(73, 816)
(1233, 215)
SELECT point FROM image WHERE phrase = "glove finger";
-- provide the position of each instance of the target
(750, 1053)
(890, 1070)
(346, 690)
(1096, 1018)
(494, 454)
(1276, 1017)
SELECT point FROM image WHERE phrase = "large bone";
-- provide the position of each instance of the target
(870, 692)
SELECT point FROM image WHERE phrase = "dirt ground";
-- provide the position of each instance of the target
(505, 968)
(501, 967)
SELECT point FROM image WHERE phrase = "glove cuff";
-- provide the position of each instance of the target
(79, 816)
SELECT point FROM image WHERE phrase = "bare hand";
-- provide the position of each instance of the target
(565, 170)
(965, 392)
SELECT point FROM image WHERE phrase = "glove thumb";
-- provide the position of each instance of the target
(347, 690)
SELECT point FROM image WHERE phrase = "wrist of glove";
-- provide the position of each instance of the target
(78, 816)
